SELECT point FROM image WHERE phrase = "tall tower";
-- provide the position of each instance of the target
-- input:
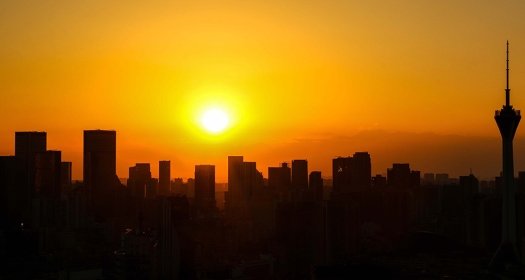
(507, 119)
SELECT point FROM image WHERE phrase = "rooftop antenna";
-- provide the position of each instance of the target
(507, 90)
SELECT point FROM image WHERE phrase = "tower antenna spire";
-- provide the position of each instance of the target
(507, 90)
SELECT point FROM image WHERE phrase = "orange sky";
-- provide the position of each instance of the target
(301, 79)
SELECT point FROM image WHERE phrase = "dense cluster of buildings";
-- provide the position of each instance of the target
(295, 224)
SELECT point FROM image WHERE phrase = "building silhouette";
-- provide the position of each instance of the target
(279, 178)
(233, 197)
(100, 177)
(341, 174)
(46, 209)
(48, 174)
(140, 182)
(361, 170)
(205, 188)
(9, 217)
(250, 179)
(351, 173)
(164, 177)
(27, 146)
(507, 120)
(316, 185)
(300, 174)
(401, 176)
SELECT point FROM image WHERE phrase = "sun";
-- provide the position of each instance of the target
(215, 120)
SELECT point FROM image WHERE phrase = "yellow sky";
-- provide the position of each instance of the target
(285, 70)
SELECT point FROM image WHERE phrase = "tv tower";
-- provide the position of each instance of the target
(507, 119)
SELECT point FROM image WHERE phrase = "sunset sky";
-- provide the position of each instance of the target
(409, 81)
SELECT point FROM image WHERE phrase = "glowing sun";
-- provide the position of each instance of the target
(215, 120)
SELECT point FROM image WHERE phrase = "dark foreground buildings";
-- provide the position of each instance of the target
(292, 225)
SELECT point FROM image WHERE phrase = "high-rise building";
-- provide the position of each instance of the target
(100, 177)
(242, 180)
(300, 174)
(361, 170)
(47, 189)
(235, 176)
(250, 179)
(27, 145)
(316, 185)
(341, 170)
(507, 120)
(164, 177)
(8, 206)
(470, 183)
(140, 181)
(350, 173)
(205, 188)
(400, 175)
(279, 178)
(48, 174)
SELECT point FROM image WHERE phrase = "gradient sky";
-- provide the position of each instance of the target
(414, 81)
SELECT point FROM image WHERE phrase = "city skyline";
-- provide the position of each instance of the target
(262, 139)
(445, 160)
(293, 77)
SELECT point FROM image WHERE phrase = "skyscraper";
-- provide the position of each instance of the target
(316, 185)
(47, 189)
(233, 197)
(279, 178)
(300, 174)
(27, 145)
(48, 174)
(507, 120)
(100, 177)
(8, 205)
(341, 167)
(140, 181)
(401, 176)
(205, 188)
(234, 175)
(249, 179)
(361, 174)
(164, 177)
(353, 172)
